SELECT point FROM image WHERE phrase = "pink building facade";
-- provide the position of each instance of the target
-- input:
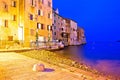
(81, 36)
(66, 30)
(59, 28)
(73, 32)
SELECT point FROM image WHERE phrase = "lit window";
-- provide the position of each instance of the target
(13, 3)
(40, 26)
(49, 27)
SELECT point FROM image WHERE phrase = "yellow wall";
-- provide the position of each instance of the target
(7, 14)
(32, 24)
(22, 11)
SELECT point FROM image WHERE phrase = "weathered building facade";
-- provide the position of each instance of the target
(66, 30)
(59, 28)
(71, 29)
(73, 32)
(37, 20)
(81, 36)
(9, 17)
(25, 21)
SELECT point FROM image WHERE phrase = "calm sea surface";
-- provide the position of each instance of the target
(104, 57)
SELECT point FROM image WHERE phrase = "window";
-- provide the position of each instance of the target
(6, 23)
(48, 15)
(40, 26)
(31, 17)
(49, 3)
(62, 29)
(49, 27)
(54, 33)
(33, 3)
(14, 18)
(10, 38)
(54, 21)
(13, 3)
(5, 6)
(40, 12)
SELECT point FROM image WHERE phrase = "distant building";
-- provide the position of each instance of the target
(81, 36)
(66, 30)
(25, 21)
(72, 31)
(59, 28)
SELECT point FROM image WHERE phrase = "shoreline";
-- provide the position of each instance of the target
(71, 65)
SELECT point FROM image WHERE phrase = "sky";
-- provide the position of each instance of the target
(99, 18)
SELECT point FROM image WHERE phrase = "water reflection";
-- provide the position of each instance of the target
(103, 56)
(111, 67)
(72, 52)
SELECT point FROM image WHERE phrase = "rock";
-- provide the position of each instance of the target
(38, 67)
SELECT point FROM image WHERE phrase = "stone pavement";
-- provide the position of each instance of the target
(19, 67)
(15, 49)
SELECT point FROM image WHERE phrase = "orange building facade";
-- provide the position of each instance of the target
(23, 21)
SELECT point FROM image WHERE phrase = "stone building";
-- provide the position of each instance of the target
(72, 31)
(24, 21)
(59, 28)
(81, 36)
(9, 21)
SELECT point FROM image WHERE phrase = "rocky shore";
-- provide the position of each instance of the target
(55, 59)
